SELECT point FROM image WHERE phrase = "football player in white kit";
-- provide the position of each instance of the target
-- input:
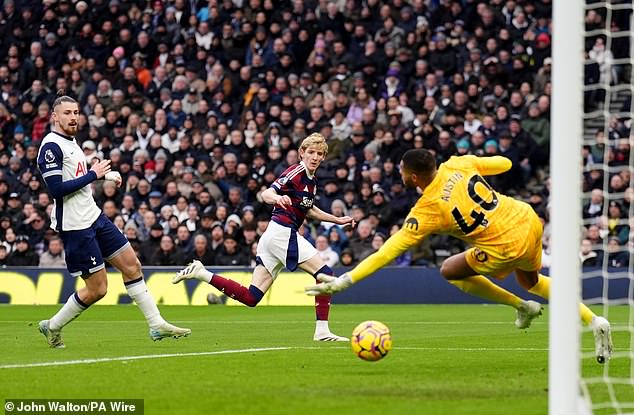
(89, 237)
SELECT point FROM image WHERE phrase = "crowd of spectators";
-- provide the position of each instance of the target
(201, 104)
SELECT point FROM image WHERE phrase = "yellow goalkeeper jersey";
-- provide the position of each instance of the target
(459, 202)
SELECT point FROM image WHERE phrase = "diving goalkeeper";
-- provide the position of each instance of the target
(505, 234)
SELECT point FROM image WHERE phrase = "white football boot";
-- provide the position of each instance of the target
(602, 338)
(190, 271)
(53, 337)
(329, 337)
(168, 330)
(527, 311)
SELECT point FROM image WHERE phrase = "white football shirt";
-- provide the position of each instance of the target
(61, 155)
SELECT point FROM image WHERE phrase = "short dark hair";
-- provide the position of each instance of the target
(420, 161)
(62, 97)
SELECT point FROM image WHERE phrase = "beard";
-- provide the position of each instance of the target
(70, 129)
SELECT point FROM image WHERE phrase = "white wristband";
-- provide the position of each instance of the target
(112, 176)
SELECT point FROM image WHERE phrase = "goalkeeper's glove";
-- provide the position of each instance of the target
(330, 284)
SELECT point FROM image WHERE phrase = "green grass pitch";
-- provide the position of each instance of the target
(446, 359)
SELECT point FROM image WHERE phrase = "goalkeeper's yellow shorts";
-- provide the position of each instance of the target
(522, 252)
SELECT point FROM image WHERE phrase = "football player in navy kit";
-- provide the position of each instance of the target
(293, 197)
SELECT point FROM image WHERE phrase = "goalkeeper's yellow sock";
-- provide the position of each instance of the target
(482, 287)
(586, 314)
(542, 289)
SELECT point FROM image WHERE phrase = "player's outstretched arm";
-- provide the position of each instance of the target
(490, 166)
(320, 215)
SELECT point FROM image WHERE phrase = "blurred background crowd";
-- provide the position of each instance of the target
(200, 105)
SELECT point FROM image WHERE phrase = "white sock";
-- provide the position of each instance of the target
(205, 276)
(67, 313)
(321, 326)
(137, 290)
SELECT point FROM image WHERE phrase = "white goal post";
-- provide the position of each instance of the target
(566, 134)
(575, 387)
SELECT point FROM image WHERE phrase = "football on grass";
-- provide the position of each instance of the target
(371, 340)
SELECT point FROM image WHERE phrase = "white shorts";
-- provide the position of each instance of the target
(276, 249)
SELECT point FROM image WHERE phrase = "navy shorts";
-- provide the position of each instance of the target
(87, 249)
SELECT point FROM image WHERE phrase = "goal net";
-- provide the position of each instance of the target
(596, 39)
(608, 163)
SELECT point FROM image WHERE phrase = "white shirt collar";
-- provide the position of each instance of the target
(310, 176)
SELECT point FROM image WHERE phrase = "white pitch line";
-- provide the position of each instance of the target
(206, 321)
(446, 349)
(140, 357)
(477, 349)
(256, 350)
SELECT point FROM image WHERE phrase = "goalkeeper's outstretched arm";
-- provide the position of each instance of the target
(490, 166)
(393, 247)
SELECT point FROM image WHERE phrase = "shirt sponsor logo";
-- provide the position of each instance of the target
(411, 224)
(81, 169)
(307, 202)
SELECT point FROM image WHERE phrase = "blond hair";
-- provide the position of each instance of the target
(315, 139)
